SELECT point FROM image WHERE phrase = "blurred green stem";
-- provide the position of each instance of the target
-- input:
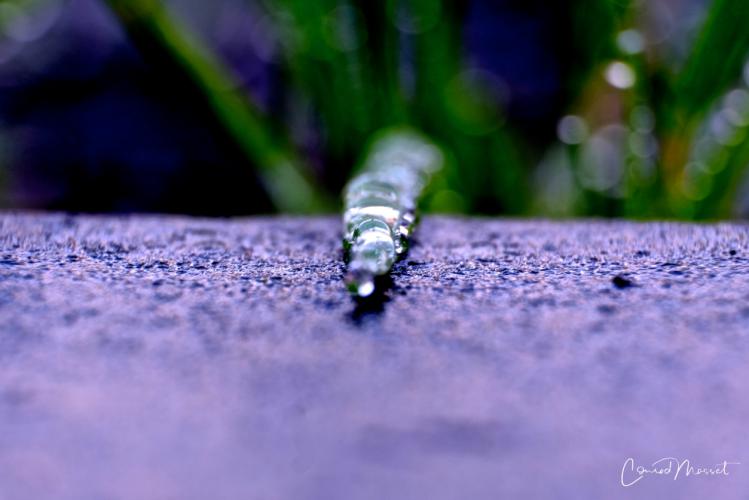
(290, 187)
(489, 174)
(717, 57)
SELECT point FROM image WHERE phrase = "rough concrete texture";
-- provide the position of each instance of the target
(177, 358)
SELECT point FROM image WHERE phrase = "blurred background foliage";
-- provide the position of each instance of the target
(627, 108)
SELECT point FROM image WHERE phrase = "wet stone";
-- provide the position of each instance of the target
(177, 370)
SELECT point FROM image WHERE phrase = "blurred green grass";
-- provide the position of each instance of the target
(641, 137)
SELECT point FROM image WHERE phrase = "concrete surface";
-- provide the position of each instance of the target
(177, 358)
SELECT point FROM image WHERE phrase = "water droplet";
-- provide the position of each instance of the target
(380, 203)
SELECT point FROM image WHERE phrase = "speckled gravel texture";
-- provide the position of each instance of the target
(153, 357)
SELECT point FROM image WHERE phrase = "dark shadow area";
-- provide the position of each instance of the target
(371, 307)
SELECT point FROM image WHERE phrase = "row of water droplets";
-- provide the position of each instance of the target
(380, 205)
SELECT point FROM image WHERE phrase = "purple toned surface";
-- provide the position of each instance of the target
(163, 357)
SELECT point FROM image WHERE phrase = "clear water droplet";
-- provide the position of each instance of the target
(379, 206)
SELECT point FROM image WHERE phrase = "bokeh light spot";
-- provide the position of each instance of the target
(696, 187)
(630, 41)
(620, 75)
(572, 129)
(642, 119)
(643, 145)
(736, 107)
(602, 159)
